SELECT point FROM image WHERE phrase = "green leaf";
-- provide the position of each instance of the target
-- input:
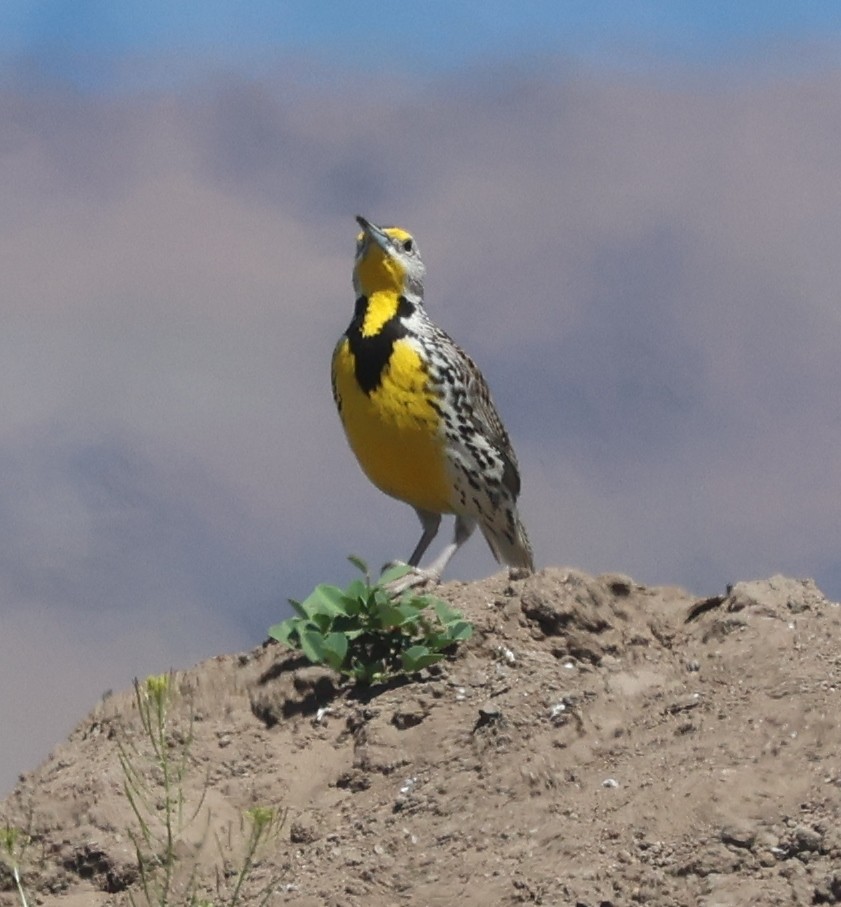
(390, 574)
(356, 591)
(440, 642)
(309, 606)
(283, 632)
(323, 621)
(335, 650)
(312, 645)
(329, 599)
(445, 613)
(345, 623)
(450, 635)
(298, 608)
(364, 673)
(391, 615)
(461, 630)
(360, 565)
(379, 598)
(418, 657)
(413, 610)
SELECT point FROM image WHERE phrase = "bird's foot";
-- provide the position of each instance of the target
(414, 578)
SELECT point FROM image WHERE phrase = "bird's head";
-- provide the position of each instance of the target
(387, 259)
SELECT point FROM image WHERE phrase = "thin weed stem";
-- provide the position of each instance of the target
(19, 885)
(167, 876)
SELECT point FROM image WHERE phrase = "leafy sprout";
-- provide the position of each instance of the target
(365, 633)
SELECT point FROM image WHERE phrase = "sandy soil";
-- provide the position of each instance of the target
(596, 743)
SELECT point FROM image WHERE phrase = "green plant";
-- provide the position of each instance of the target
(264, 824)
(13, 845)
(365, 633)
(155, 772)
(156, 797)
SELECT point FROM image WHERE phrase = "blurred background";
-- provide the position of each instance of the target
(630, 214)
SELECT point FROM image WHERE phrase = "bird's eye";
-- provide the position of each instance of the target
(408, 245)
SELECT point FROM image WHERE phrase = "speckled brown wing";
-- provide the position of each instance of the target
(488, 422)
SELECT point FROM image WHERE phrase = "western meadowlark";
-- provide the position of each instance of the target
(417, 411)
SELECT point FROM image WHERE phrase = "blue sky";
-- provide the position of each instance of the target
(629, 214)
(88, 42)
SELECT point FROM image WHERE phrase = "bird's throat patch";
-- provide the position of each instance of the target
(372, 341)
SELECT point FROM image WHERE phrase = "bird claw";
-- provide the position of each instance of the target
(390, 565)
(413, 579)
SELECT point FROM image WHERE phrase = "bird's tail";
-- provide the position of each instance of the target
(509, 542)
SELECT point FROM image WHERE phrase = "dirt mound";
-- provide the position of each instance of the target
(595, 743)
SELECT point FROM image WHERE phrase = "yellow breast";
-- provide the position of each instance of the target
(394, 430)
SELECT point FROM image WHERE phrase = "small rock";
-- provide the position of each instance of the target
(828, 891)
(766, 858)
(684, 704)
(321, 714)
(304, 831)
(410, 715)
(408, 786)
(557, 713)
(714, 859)
(619, 584)
(738, 835)
(505, 654)
(766, 840)
(353, 857)
(806, 840)
(489, 713)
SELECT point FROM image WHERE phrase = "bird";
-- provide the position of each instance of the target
(418, 413)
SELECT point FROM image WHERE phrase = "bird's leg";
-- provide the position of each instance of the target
(432, 574)
(430, 523)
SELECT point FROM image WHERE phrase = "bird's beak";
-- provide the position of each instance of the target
(375, 232)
